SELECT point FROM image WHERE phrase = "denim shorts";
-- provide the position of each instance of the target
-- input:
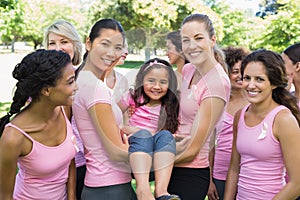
(144, 141)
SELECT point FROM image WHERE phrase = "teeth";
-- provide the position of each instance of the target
(253, 93)
(108, 62)
(194, 54)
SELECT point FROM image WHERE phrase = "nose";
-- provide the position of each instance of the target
(251, 84)
(58, 47)
(156, 85)
(193, 44)
(76, 87)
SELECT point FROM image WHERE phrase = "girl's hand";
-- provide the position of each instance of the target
(131, 110)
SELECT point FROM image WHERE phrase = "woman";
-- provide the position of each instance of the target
(98, 117)
(266, 134)
(204, 94)
(291, 57)
(62, 35)
(220, 154)
(39, 138)
(175, 55)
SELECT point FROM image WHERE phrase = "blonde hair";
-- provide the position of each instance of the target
(66, 29)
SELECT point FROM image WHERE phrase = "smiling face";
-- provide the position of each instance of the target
(197, 46)
(64, 90)
(235, 76)
(105, 50)
(256, 83)
(172, 53)
(156, 84)
(58, 42)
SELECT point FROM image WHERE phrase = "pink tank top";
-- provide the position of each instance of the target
(223, 146)
(43, 173)
(262, 168)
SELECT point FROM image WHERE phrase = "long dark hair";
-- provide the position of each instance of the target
(168, 118)
(275, 70)
(36, 71)
(96, 32)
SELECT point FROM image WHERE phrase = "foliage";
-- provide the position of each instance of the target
(11, 18)
(282, 29)
(268, 7)
(150, 19)
(45, 13)
(237, 28)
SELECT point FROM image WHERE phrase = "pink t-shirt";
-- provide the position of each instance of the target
(214, 83)
(101, 171)
(224, 137)
(43, 173)
(144, 117)
(262, 168)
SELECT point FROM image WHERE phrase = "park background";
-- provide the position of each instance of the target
(253, 24)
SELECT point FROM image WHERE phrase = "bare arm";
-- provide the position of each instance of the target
(208, 115)
(234, 167)
(108, 131)
(286, 130)
(10, 150)
(71, 184)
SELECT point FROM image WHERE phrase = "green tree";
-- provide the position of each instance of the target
(45, 13)
(12, 24)
(282, 29)
(153, 17)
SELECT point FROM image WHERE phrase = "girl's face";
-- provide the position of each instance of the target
(172, 53)
(64, 91)
(256, 83)
(106, 49)
(156, 84)
(58, 42)
(197, 46)
(236, 76)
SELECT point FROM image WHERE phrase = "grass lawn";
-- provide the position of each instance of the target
(131, 64)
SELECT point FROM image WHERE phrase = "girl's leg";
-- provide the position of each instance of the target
(164, 156)
(140, 157)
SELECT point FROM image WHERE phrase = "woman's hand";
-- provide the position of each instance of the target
(182, 143)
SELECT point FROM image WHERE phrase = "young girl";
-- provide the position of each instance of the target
(156, 104)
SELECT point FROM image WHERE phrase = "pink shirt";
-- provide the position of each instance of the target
(101, 171)
(224, 136)
(79, 157)
(214, 83)
(43, 173)
(144, 117)
(262, 168)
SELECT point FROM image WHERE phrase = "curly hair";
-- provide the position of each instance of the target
(234, 55)
(36, 71)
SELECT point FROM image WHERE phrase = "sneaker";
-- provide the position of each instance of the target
(169, 197)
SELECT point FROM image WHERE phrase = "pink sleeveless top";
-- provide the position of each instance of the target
(43, 173)
(262, 168)
(223, 146)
